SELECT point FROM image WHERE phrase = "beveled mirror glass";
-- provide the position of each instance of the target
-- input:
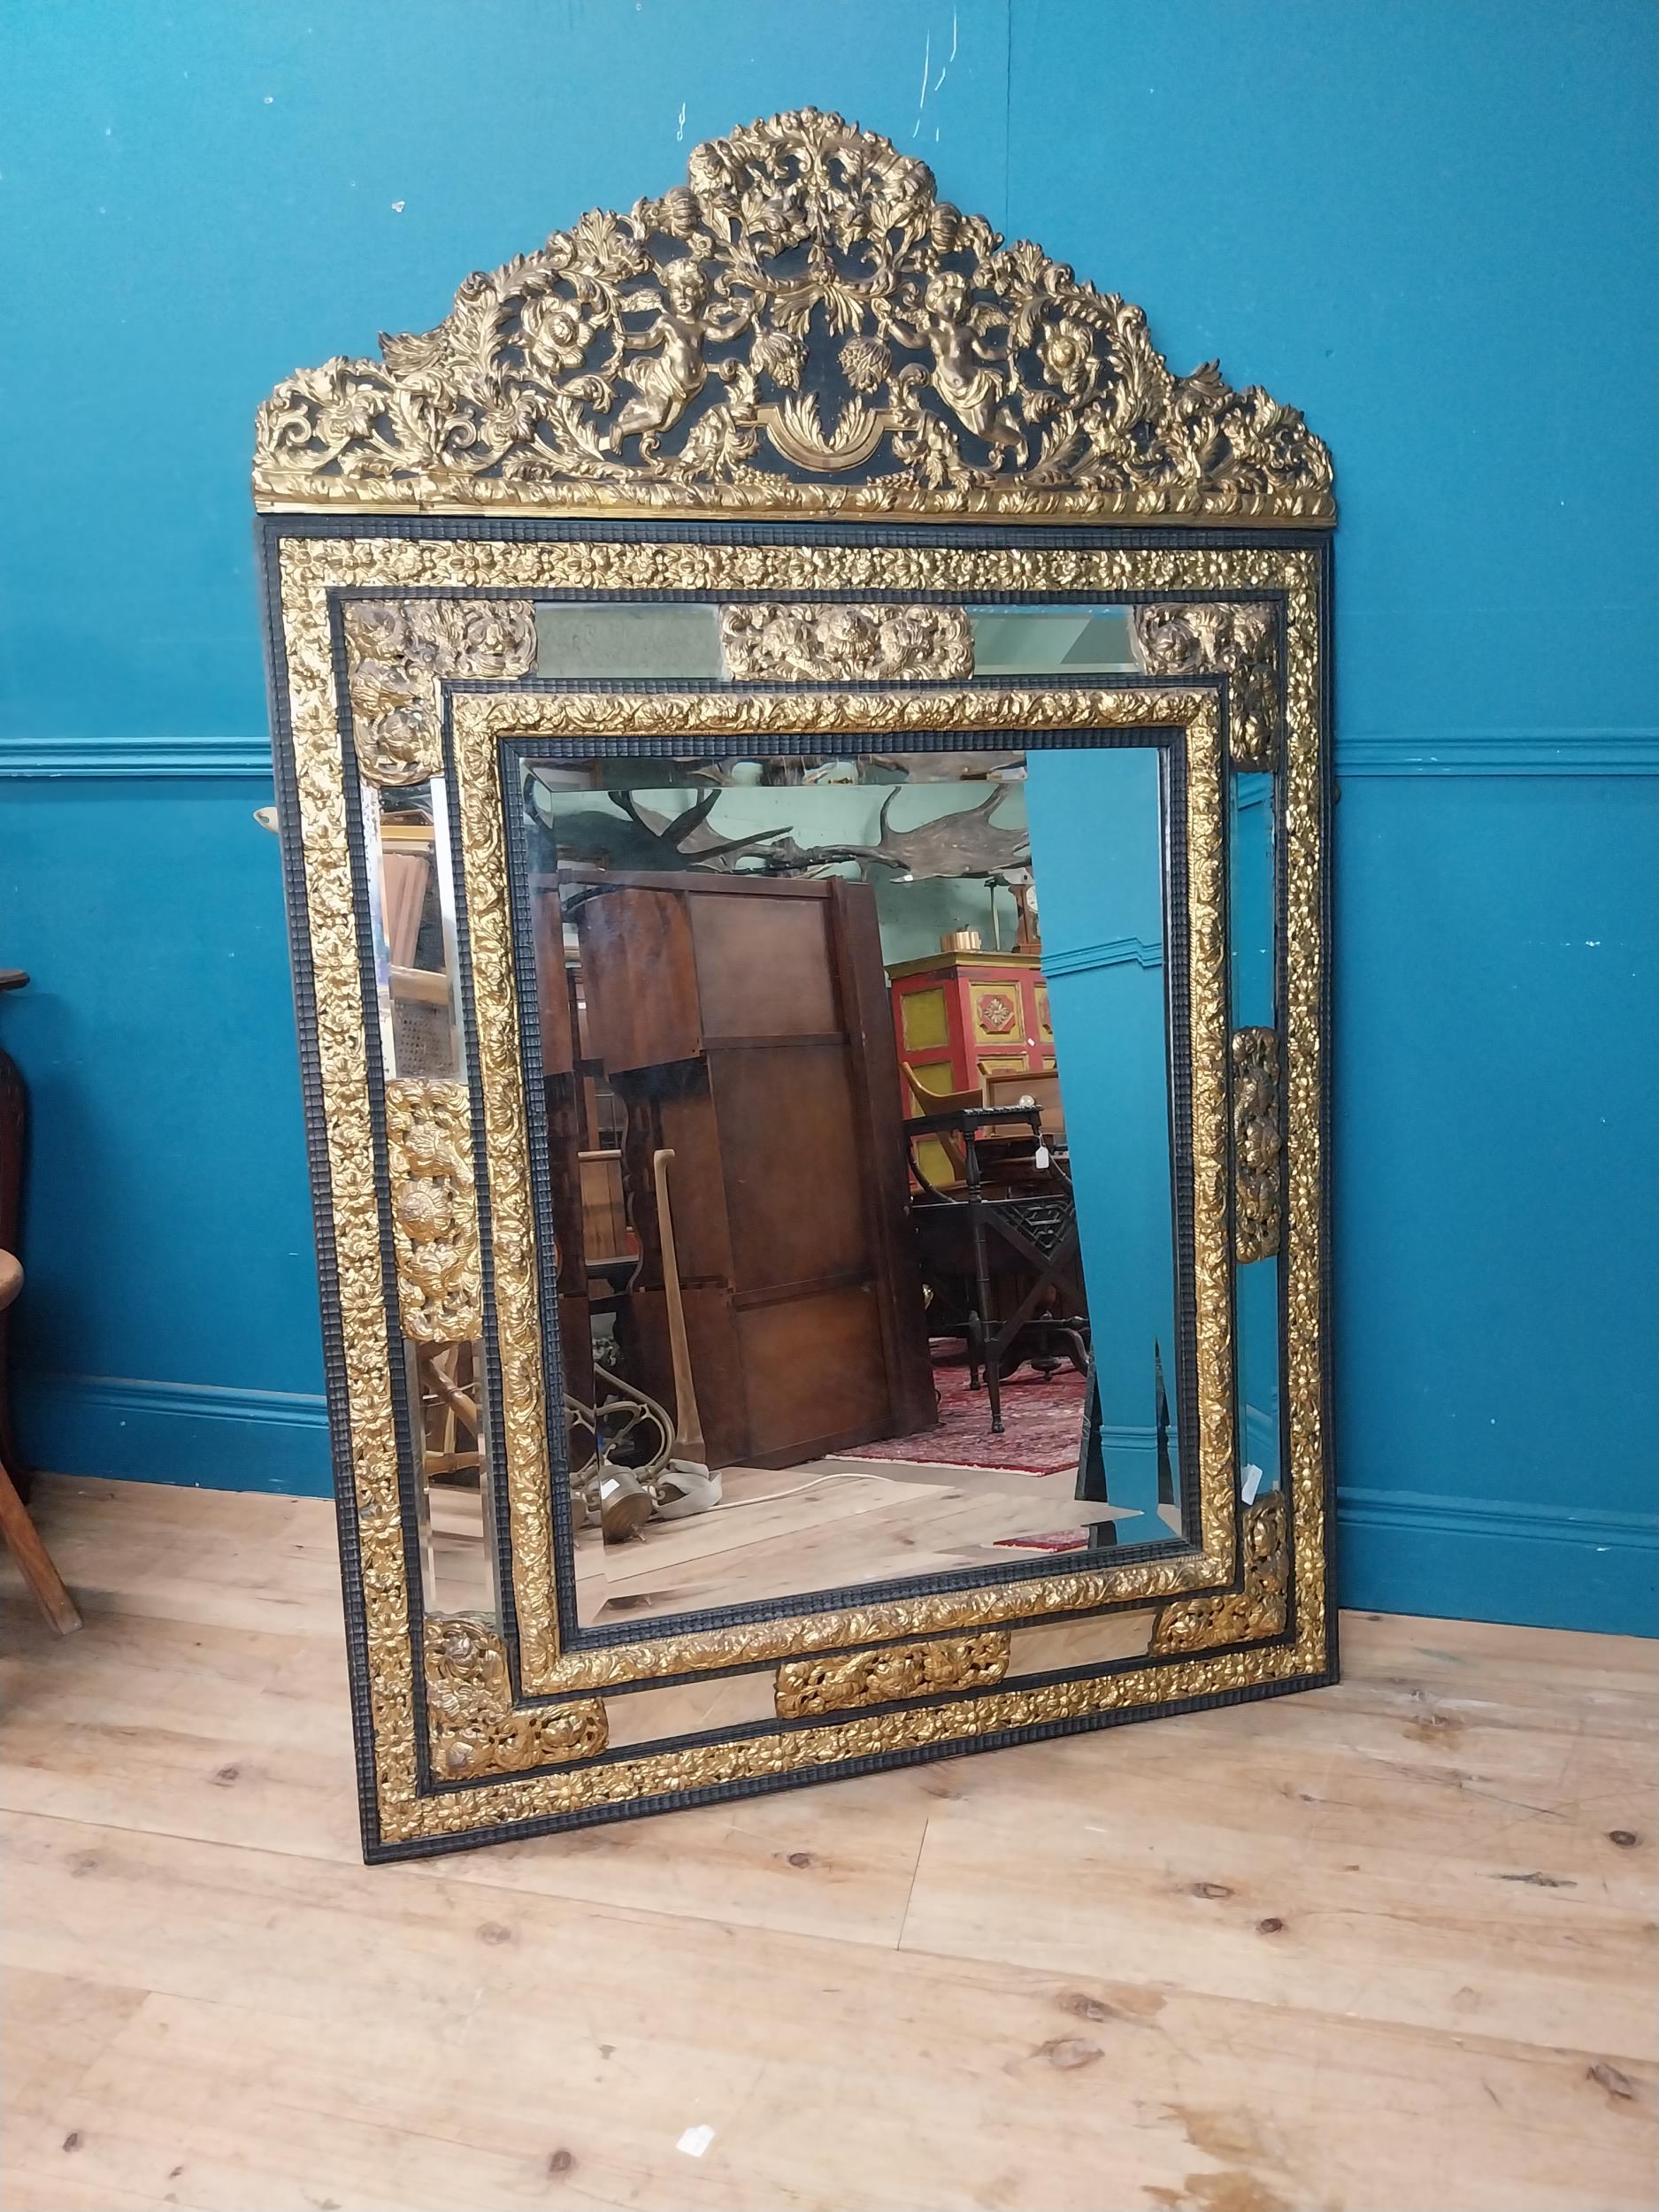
(801, 751)
(860, 1158)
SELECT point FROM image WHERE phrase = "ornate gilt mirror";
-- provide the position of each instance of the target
(802, 749)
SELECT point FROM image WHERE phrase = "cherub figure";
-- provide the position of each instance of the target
(664, 386)
(965, 370)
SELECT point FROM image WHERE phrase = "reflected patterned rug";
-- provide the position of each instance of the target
(1043, 1424)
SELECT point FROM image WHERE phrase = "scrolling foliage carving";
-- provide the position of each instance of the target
(802, 325)
(434, 1213)
(397, 653)
(474, 1729)
(842, 1680)
(1219, 639)
(828, 645)
(1259, 1609)
(1256, 1144)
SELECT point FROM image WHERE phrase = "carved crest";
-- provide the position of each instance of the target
(802, 325)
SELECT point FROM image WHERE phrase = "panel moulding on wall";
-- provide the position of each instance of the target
(94, 756)
(1116, 952)
(1513, 753)
(1455, 753)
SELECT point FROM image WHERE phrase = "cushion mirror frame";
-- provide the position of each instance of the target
(471, 1733)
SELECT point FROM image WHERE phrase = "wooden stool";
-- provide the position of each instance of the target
(15, 1525)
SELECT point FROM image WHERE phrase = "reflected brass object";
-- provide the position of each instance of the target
(1235, 641)
(397, 653)
(832, 645)
(1257, 1610)
(622, 1413)
(434, 1215)
(1256, 1143)
(474, 1728)
(803, 307)
(809, 1687)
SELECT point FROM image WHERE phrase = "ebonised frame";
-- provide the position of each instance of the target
(394, 617)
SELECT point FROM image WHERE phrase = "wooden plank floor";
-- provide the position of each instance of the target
(1386, 1946)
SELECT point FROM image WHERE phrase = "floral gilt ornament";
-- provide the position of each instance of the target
(803, 325)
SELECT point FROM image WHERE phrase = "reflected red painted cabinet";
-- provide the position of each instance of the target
(959, 1016)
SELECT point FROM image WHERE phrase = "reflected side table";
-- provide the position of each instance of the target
(1003, 1241)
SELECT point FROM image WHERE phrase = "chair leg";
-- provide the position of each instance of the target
(35, 1561)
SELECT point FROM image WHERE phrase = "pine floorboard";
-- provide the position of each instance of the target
(1387, 1945)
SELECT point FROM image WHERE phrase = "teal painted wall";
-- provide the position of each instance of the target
(1431, 225)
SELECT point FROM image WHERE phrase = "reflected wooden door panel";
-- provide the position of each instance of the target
(743, 1025)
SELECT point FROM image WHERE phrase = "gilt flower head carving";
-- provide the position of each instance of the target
(1067, 351)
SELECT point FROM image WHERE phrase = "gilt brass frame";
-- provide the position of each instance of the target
(397, 648)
